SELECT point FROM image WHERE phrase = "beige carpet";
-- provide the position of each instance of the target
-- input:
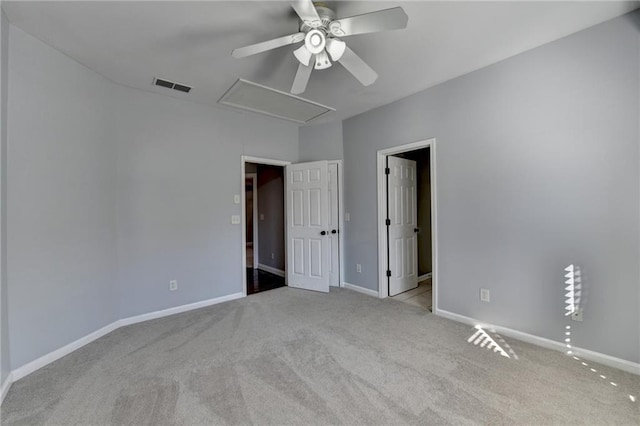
(296, 357)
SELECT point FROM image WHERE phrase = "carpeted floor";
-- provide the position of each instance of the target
(291, 356)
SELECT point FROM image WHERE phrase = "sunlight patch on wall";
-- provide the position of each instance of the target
(573, 288)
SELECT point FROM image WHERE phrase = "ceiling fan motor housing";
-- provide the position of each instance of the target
(326, 16)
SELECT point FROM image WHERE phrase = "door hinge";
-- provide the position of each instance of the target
(387, 171)
(387, 222)
(388, 273)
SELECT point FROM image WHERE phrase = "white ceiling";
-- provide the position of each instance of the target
(191, 42)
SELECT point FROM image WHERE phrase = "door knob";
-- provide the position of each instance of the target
(416, 230)
(323, 233)
(333, 231)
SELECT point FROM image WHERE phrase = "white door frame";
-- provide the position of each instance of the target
(243, 206)
(340, 219)
(254, 186)
(383, 289)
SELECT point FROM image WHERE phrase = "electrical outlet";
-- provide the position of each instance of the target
(261, 216)
(235, 219)
(484, 294)
(358, 268)
(577, 315)
(273, 255)
(173, 285)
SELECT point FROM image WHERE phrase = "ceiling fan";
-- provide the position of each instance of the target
(320, 31)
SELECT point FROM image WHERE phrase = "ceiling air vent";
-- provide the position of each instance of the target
(171, 85)
(265, 100)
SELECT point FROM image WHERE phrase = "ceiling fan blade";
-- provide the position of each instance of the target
(302, 78)
(307, 12)
(252, 49)
(382, 20)
(359, 68)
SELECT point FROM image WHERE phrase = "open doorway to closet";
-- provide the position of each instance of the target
(406, 206)
(264, 227)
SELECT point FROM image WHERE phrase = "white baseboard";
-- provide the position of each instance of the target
(275, 271)
(359, 289)
(424, 277)
(4, 389)
(608, 360)
(177, 310)
(44, 360)
(38, 363)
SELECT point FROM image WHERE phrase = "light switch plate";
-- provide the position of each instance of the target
(347, 217)
(236, 199)
(261, 216)
(484, 294)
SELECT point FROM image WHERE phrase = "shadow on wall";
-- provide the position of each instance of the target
(634, 18)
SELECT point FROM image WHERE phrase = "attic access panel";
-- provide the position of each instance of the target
(254, 97)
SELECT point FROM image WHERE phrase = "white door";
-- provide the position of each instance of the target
(334, 227)
(403, 241)
(307, 226)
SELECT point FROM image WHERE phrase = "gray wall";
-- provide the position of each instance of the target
(5, 366)
(61, 197)
(112, 192)
(537, 168)
(321, 142)
(271, 205)
(178, 170)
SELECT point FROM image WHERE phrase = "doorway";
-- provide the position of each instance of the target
(312, 198)
(407, 231)
(263, 226)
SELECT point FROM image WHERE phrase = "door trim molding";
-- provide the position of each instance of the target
(254, 180)
(383, 289)
(340, 220)
(243, 210)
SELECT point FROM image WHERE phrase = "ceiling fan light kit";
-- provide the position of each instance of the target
(319, 30)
